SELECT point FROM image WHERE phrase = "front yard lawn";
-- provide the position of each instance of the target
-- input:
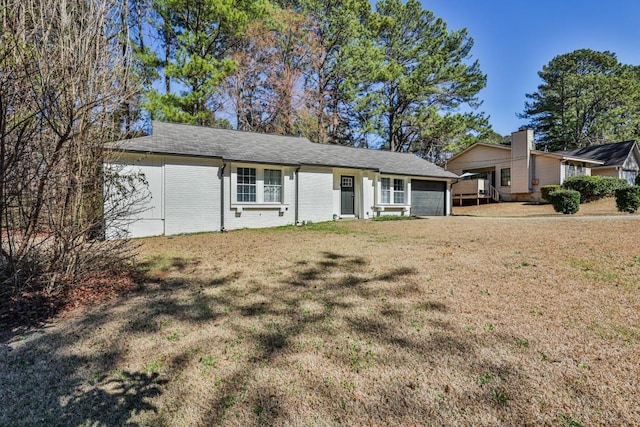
(440, 321)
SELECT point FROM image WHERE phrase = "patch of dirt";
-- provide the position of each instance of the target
(28, 310)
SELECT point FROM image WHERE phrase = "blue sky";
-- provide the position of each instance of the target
(515, 38)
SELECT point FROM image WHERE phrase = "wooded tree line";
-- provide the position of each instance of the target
(336, 72)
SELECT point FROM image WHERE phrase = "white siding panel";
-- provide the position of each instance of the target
(316, 195)
(368, 194)
(146, 228)
(258, 218)
(632, 163)
(192, 196)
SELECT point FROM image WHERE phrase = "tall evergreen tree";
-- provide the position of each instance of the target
(586, 98)
(196, 38)
(425, 75)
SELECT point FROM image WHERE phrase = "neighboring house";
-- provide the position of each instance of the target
(516, 172)
(620, 160)
(206, 179)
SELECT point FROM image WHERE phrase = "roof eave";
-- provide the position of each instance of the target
(162, 153)
(563, 157)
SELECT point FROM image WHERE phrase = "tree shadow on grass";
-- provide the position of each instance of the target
(340, 284)
(41, 384)
(115, 401)
(335, 282)
(64, 388)
(71, 373)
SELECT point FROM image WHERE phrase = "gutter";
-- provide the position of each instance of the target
(451, 183)
(296, 219)
(224, 165)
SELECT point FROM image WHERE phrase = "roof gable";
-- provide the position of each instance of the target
(233, 145)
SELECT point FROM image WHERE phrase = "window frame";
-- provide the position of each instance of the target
(574, 169)
(244, 185)
(263, 173)
(503, 176)
(399, 192)
(385, 193)
(271, 186)
(390, 192)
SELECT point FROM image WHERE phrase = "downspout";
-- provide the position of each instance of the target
(296, 219)
(224, 165)
(532, 172)
(451, 183)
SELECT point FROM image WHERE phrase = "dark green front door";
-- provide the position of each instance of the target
(348, 195)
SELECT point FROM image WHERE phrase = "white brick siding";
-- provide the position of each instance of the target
(192, 195)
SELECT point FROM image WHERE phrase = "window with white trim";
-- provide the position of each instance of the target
(574, 169)
(392, 191)
(398, 191)
(386, 190)
(505, 177)
(246, 188)
(272, 186)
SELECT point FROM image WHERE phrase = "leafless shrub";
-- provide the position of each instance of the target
(62, 82)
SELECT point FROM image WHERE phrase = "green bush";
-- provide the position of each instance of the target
(628, 199)
(638, 179)
(594, 187)
(546, 189)
(565, 201)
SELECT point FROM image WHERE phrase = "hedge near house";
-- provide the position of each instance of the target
(565, 201)
(593, 188)
(628, 199)
(545, 190)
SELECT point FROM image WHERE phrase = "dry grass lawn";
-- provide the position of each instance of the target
(522, 209)
(440, 321)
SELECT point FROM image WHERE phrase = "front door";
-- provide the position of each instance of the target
(348, 195)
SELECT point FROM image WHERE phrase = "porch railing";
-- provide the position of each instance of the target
(475, 189)
(493, 193)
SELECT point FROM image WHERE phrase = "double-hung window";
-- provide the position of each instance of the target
(392, 191)
(398, 191)
(246, 189)
(386, 190)
(574, 170)
(272, 186)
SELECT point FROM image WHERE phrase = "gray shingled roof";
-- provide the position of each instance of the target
(611, 154)
(232, 145)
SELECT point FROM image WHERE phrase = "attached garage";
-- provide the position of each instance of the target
(428, 198)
